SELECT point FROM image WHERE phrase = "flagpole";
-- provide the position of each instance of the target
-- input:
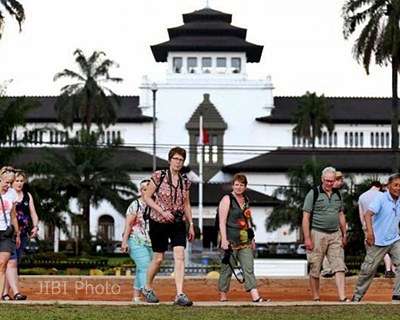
(201, 142)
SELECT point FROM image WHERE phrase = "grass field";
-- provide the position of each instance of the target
(68, 312)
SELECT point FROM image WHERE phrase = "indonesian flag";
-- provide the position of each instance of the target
(203, 136)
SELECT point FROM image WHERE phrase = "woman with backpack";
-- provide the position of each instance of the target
(237, 239)
(136, 240)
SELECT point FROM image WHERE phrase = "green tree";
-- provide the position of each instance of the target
(379, 21)
(50, 202)
(15, 9)
(87, 99)
(89, 174)
(301, 181)
(311, 116)
(13, 111)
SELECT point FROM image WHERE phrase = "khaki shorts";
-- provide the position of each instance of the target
(329, 245)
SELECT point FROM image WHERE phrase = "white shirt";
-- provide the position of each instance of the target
(9, 199)
(365, 200)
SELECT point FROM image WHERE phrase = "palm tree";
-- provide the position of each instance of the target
(50, 202)
(88, 173)
(15, 9)
(380, 35)
(13, 111)
(86, 99)
(311, 117)
(301, 181)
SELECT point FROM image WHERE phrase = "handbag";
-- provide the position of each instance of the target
(9, 232)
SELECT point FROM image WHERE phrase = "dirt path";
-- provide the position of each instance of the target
(199, 289)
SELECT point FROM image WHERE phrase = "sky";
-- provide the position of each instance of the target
(304, 48)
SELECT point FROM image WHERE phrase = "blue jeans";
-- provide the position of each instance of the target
(142, 255)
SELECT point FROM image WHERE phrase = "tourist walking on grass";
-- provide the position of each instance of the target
(9, 233)
(237, 238)
(28, 226)
(382, 236)
(324, 229)
(168, 197)
(136, 240)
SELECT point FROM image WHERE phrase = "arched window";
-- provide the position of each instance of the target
(106, 227)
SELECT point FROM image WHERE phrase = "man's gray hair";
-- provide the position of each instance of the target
(328, 170)
(393, 177)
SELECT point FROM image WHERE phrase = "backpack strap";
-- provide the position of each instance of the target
(337, 191)
(162, 176)
(315, 197)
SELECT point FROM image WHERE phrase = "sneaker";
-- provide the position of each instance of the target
(183, 300)
(396, 298)
(355, 299)
(150, 296)
(390, 274)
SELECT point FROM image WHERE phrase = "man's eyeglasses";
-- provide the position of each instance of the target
(329, 181)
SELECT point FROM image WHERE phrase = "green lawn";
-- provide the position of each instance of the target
(61, 312)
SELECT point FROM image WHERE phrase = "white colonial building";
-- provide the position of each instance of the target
(249, 129)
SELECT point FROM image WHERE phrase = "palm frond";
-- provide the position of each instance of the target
(15, 9)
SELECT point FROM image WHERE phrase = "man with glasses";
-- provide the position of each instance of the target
(382, 236)
(168, 197)
(324, 229)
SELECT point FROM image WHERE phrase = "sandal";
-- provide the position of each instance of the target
(258, 300)
(6, 297)
(19, 296)
(345, 299)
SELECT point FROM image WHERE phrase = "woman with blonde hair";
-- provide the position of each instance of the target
(28, 226)
(136, 240)
(9, 233)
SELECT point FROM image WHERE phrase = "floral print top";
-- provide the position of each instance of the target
(139, 232)
(169, 197)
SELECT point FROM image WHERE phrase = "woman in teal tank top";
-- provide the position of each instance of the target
(235, 226)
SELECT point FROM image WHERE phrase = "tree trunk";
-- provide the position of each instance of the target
(86, 219)
(395, 114)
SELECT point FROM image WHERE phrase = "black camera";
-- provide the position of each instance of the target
(227, 256)
(250, 234)
(178, 216)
